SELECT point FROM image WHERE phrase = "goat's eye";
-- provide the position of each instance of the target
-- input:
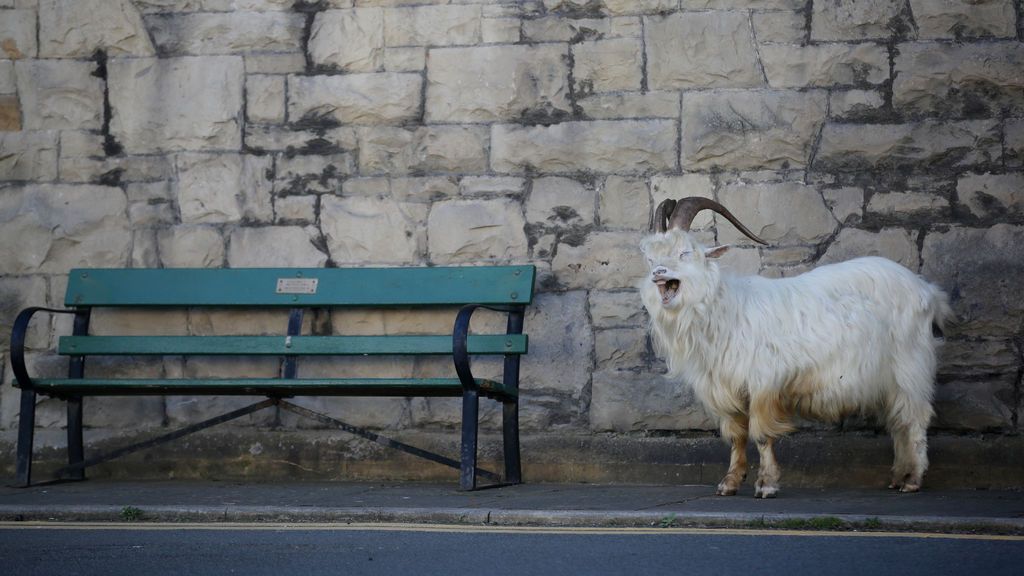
(685, 253)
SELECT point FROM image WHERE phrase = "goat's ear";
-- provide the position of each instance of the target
(716, 251)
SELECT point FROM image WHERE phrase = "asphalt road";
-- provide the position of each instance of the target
(268, 549)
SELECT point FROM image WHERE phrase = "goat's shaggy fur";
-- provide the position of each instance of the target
(847, 338)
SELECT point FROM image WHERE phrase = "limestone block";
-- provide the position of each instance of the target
(220, 188)
(295, 210)
(976, 406)
(858, 19)
(924, 145)
(405, 59)
(379, 230)
(631, 105)
(987, 195)
(620, 7)
(487, 83)
(623, 401)
(235, 32)
(905, 203)
(476, 230)
(385, 98)
(624, 203)
(424, 189)
(491, 185)
(560, 337)
(366, 412)
(750, 130)
(191, 247)
(560, 202)
(964, 19)
(782, 213)
(558, 29)
(974, 358)
(853, 104)
(50, 412)
(892, 243)
(264, 98)
(674, 187)
(825, 65)
(626, 146)
(446, 413)
(288, 63)
(116, 170)
(845, 203)
(955, 78)
(138, 322)
(620, 348)
(701, 50)
(290, 246)
(242, 322)
(787, 26)
(57, 227)
(28, 156)
(144, 249)
(374, 186)
(8, 80)
(399, 151)
(604, 261)
(617, 309)
(150, 204)
(176, 104)
(1014, 142)
(500, 30)
(432, 25)
(77, 29)
(981, 270)
(18, 34)
(183, 410)
(351, 40)
(17, 294)
(311, 174)
(742, 4)
(607, 65)
(299, 139)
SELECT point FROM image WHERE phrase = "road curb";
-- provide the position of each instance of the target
(498, 517)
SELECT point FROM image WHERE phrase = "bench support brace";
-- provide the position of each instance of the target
(377, 438)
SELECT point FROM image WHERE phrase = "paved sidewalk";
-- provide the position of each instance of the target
(527, 504)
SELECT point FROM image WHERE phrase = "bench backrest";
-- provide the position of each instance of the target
(305, 287)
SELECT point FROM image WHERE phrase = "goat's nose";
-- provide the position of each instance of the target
(660, 271)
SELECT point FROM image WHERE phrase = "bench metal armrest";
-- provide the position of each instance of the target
(460, 337)
(18, 334)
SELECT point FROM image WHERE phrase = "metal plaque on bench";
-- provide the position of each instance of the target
(296, 285)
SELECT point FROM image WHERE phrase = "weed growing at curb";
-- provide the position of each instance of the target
(131, 514)
(667, 521)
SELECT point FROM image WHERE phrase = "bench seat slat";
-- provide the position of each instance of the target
(268, 386)
(282, 346)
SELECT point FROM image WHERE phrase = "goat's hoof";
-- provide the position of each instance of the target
(725, 491)
(766, 491)
(908, 487)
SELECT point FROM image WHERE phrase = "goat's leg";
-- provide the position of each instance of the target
(768, 473)
(910, 444)
(734, 429)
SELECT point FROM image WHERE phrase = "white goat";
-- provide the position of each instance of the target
(853, 337)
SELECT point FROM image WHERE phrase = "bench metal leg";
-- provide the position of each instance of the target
(470, 417)
(510, 432)
(26, 430)
(76, 449)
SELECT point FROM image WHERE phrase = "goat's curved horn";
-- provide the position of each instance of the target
(661, 215)
(687, 208)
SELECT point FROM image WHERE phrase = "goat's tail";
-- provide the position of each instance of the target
(942, 312)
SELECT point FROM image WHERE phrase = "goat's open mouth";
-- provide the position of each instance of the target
(668, 288)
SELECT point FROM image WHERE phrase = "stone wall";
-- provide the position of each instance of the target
(233, 133)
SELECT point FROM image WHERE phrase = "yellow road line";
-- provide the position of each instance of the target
(469, 529)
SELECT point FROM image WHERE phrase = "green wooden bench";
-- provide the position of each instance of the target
(508, 289)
